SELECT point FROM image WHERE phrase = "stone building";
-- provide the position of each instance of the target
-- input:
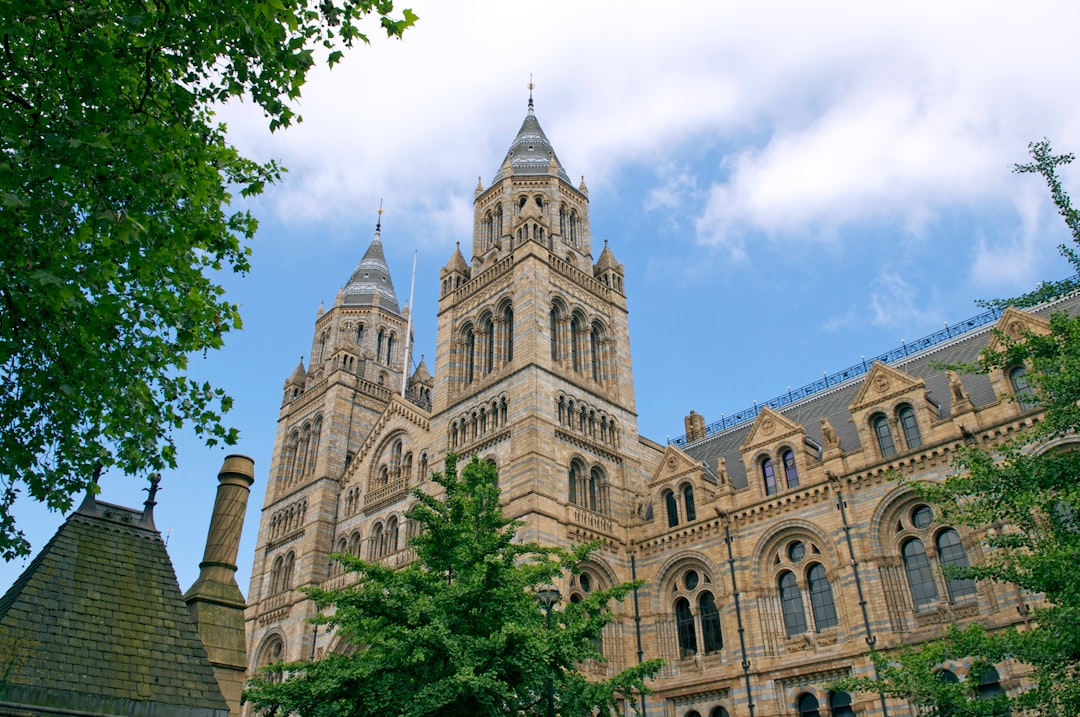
(776, 544)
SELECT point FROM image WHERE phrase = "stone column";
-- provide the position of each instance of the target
(215, 600)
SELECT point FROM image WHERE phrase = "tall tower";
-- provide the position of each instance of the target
(532, 372)
(533, 364)
(357, 358)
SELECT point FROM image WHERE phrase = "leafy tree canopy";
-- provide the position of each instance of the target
(460, 631)
(115, 192)
(1023, 498)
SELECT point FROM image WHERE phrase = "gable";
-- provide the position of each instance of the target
(673, 464)
(883, 383)
(1015, 323)
(769, 427)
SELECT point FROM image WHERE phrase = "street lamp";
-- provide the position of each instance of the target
(549, 597)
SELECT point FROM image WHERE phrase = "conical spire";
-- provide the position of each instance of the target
(370, 283)
(531, 152)
(421, 374)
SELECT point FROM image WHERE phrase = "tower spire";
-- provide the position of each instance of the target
(531, 85)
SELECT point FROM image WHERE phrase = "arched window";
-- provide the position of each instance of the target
(791, 473)
(391, 536)
(684, 624)
(596, 348)
(792, 605)
(808, 706)
(910, 427)
(989, 685)
(575, 476)
(884, 436)
(378, 345)
(489, 344)
(375, 548)
(672, 509)
(359, 334)
(718, 712)
(1025, 394)
(575, 341)
(355, 541)
(272, 652)
(688, 502)
(821, 598)
(596, 490)
(389, 348)
(951, 554)
(556, 321)
(470, 355)
(710, 623)
(920, 577)
(768, 475)
(508, 331)
(840, 705)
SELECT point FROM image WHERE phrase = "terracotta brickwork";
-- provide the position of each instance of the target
(775, 551)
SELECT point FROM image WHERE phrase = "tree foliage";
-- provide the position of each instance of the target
(1024, 497)
(460, 631)
(115, 190)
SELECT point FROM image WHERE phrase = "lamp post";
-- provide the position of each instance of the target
(549, 597)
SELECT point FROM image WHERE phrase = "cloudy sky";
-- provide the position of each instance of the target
(789, 185)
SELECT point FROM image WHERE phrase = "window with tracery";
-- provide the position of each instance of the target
(928, 572)
(697, 617)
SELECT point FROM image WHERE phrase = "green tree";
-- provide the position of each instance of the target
(460, 631)
(115, 191)
(1027, 493)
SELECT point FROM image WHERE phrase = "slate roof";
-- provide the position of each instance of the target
(97, 625)
(370, 283)
(531, 152)
(833, 403)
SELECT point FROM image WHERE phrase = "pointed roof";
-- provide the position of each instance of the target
(370, 283)
(299, 375)
(457, 262)
(530, 152)
(607, 260)
(97, 624)
(421, 374)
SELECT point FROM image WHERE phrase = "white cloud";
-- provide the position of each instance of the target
(834, 114)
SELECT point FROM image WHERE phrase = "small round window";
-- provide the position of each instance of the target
(796, 551)
(690, 580)
(585, 582)
(922, 516)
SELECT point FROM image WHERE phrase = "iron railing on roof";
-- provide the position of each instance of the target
(906, 349)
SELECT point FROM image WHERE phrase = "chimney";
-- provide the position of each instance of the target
(695, 426)
(215, 600)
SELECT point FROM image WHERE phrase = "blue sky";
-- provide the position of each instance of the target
(790, 186)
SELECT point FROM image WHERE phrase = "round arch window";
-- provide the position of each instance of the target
(585, 582)
(796, 551)
(691, 579)
(922, 516)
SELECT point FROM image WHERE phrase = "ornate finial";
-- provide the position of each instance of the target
(378, 223)
(155, 481)
(531, 85)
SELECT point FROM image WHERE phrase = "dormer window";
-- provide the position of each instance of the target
(910, 426)
(768, 476)
(884, 436)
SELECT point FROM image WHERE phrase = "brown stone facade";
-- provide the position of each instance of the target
(775, 550)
